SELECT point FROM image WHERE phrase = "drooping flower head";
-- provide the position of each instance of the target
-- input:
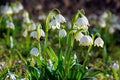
(34, 51)
(115, 66)
(17, 7)
(86, 41)
(25, 33)
(82, 23)
(56, 21)
(78, 36)
(54, 24)
(98, 42)
(102, 23)
(32, 27)
(59, 18)
(62, 33)
(6, 10)
(34, 34)
(10, 25)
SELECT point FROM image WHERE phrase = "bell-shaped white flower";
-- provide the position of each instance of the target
(34, 51)
(78, 36)
(6, 10)
(104, 15)
(85, 28)
(33, 34)
(42, 33)
(32, 27)
(98, 42)
(25, 33)
(86, 41)
(75, 56)
(17, 7)
(59, 18)
(12, 76)
(50, 65)
(42, 17)
(83, 21)
(115, 66)
(62, 33)
(102, 23)
(10, 25)
(26, 18)
(111, 30)
(54, 24)
(20, 6)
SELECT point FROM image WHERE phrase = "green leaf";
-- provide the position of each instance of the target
(52, 56)
(3, 74)
(35, 73)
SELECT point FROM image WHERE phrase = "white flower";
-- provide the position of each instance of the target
(25, 33)
(10, 25)
(42, 17)
(115, 66)
(33, 34)
(50, 63)
(11, 42)
(17, 7)
(54, 24)
(25, 16)
(98, 42)
(62, 33)
(75, 56)
(34, 51)
(20, 6)
(83, 21)
(42, 33)
(12, 76)
(78, 36)
(102, 23)
(111, 30)
(59, 18)
(32, 27)
(6, 10)
(86, 41)
(23, 79)
(104, 15)
(26, 20)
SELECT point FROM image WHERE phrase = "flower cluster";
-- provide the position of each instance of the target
(82, 23)
(13, 8)
(85, 40)
(55, 23)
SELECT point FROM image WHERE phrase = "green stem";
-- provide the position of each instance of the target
(86, 58)
(39, 46)
(115, 74)
(59, 43)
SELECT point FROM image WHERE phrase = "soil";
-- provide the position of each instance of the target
(68, 7)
